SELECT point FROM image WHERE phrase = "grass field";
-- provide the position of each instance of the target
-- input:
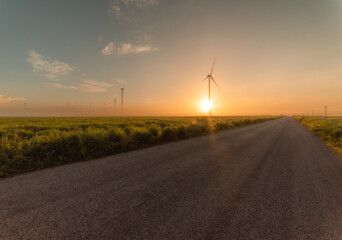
(28, 144)
(329, 130)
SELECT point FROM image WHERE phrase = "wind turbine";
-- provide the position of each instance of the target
(210, 78)
(122, 97)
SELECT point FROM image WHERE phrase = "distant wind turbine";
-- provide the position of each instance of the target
(210, 78)
(114, 105)
(122, 97)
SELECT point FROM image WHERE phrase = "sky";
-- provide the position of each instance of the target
(70, 58)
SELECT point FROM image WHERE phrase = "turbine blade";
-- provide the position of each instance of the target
(205, 78)
(215, 82)
(212, 68)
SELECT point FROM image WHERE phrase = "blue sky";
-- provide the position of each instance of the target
(70, 57)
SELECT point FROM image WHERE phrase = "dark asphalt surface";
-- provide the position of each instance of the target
(273, 180)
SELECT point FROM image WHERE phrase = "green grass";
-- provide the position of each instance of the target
(29, 144)
(329, 130)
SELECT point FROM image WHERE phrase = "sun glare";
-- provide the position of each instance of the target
(206, 106)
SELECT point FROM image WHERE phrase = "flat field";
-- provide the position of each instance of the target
(29, 144)
(329, 130)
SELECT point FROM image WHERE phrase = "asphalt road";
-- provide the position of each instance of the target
(273, 180)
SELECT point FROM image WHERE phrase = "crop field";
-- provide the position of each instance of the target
(329, 130)
(28, 144)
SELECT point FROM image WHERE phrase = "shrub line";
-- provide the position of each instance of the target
(28, 147)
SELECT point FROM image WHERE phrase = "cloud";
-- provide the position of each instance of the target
(59, 85)
(127, 48)
(116, 6)
(97, 83)
(49, 69)
(56, 69)
(108, 50)
(4, 99)
(94, 86)
(85, 86)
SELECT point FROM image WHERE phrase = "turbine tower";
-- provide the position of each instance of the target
(122, 95)
(114, 105)
(325, 111)
(210, 78)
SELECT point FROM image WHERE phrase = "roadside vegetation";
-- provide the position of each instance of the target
(329, 130)
(29, 144)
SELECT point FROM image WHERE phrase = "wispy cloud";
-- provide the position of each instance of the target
(5, 99)
(57, 69)
(49, 69)
(108, 49)
(127, 48)
(94, 86)
(98, 83)
(85, 86)
(59, 85)
(116, 6)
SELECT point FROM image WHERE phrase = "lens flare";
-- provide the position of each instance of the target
(206, 106)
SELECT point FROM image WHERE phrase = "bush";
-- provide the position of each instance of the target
(219, 126)
(154, 131)
(116, 135)
(336, 134)
(142, 136)
(182, 132)
(170, 134)
(194, 130)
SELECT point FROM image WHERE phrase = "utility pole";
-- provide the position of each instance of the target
(122, 95)
(114, 105)
(325, 111)
(312, 112)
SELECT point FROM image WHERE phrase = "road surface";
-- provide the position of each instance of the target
(273, 180)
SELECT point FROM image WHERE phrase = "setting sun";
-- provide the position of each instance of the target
(206, 106)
